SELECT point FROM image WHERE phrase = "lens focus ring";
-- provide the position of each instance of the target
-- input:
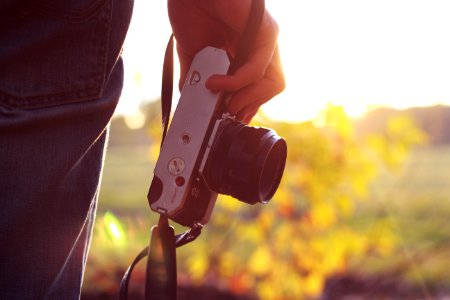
(246, 162)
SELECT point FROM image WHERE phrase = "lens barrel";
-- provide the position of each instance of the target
(246, 162)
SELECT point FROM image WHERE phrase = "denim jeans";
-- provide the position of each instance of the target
(60, 79)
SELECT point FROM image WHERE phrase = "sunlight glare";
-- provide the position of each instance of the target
(354, 53)
(135, 120)
(361, 54)
(114, 229)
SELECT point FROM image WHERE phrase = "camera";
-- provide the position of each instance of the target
(207, 152)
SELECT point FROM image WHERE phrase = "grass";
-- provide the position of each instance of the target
(127, 174)
(415, 202)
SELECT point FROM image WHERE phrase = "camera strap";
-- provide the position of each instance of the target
(161, 272)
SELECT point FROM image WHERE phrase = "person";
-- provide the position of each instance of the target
(60, 80)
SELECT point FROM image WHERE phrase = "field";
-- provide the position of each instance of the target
(414, 200)
(128, 172)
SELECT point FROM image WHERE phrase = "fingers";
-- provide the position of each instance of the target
(220, 23)
(246, 99)
(259, 58)
(246, 75)
(259, 79)
(248, 116)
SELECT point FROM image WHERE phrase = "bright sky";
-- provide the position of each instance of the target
(355, 53)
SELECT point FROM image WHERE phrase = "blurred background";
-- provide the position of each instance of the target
(364, 206)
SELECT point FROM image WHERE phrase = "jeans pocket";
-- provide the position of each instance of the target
(65, 11)
(54, 52)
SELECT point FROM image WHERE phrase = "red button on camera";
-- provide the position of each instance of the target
(179, 181)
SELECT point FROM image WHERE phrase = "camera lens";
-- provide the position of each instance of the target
(246, 162)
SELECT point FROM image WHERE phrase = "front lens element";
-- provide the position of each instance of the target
(247, 162)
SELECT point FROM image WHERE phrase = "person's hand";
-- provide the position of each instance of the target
(220, 23)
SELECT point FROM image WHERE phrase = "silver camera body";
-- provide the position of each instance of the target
(207, 152)
(182, 193)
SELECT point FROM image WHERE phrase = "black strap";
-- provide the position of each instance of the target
(163, 236)
(126, 277)
(161, 279)
(161, 275)
(167, 87)
(248, 36)
(161, 264)
(247, 41)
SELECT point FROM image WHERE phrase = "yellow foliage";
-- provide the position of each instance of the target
(229, 203)
(260, 262)
(345, 205)
(288, 248)
(322, 215)
(399, 135)
(227, 263)
(383, 238)
(267, 291)
(285, 202)
(283, 235)
(197, 264)
(266, 220)
(314, 283)
(335, 117)
(251, 232)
